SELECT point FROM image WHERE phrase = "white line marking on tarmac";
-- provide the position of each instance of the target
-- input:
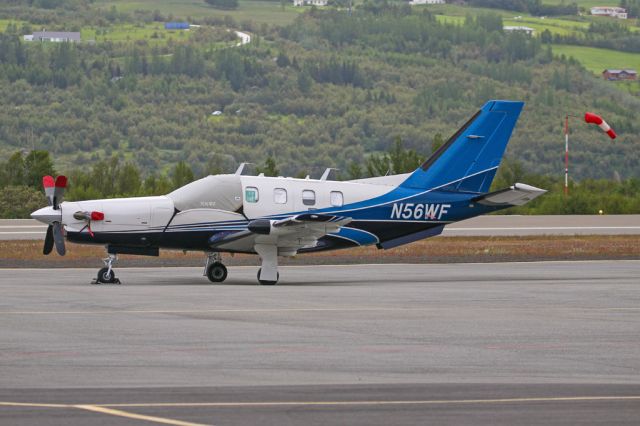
(23, 232)
(292, 310)
(214, 311)
(23, 227)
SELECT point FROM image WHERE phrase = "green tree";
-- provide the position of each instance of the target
(13, 171)
(182, 175)
(304, 81)
(437, 142)
(157, 185)
(37, 164)
(269, 168)
(355, 170)
(403, 160)
(129, 182)
(223, 4)
(18, 201)
(282, 60)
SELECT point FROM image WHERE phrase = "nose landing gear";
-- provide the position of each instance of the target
(214, 269)
(106, 275)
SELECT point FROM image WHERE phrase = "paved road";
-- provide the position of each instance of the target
(27, 229)
(524, 343)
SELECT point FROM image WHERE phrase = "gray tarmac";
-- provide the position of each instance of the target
(502, 225)
(501, 343)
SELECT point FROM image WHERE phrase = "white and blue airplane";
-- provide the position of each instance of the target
(278, 216)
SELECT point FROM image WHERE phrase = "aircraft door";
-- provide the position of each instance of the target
(160, 217)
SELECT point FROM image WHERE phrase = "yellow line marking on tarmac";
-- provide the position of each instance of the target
(120, 413)
(349, 403)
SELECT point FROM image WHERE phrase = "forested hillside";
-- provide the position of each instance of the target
(329, 90)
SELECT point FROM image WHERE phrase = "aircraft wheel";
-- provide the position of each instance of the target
(217, 272)
(105, 276)
(266, 282)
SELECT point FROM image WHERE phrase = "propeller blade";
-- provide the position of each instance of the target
(58, 195)
(49, 188)
(48, 241)
(58, 238)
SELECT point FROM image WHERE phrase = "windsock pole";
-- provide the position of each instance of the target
(589, 118)
(566, 155)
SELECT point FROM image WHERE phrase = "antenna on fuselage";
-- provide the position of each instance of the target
(326, 173)
(241, 168)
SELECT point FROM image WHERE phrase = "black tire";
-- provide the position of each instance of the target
(105, 276)
(266, 282)
(216, 272)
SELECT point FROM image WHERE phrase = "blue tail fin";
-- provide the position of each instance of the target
(468, 161)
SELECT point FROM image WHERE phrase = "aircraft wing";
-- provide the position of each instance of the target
(311, 221)
(289, 234)
(516, 195)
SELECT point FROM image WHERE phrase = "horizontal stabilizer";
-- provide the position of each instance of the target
(516, 195)
(427, 233)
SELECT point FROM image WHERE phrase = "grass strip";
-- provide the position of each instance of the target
(28, 254)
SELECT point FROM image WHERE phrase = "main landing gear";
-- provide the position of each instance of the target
(214, 269)
(267, 275)
(106, 275)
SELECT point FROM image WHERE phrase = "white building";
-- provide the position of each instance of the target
(614, 12)
(310, 2)
(415, 2)
(520, 28)
(53, 36)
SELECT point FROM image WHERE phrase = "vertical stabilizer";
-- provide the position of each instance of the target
(468, 161)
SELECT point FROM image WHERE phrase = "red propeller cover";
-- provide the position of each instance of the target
(48, 182)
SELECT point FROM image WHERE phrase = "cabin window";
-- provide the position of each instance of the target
(308, 197)
(280, 196)
(251, 194)
(337, 199)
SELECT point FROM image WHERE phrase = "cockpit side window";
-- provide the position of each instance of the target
(251, 194)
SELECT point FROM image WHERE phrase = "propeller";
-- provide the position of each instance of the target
(58, 238)
(52, 215)
(48, 241)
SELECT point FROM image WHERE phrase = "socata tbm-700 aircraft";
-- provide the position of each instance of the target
(277, 216)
